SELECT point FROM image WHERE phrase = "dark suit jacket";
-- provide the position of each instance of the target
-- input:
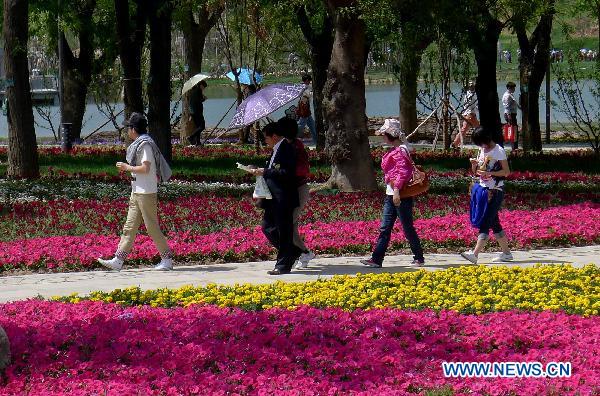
(281, 177)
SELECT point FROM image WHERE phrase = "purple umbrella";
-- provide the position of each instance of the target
(264, 102)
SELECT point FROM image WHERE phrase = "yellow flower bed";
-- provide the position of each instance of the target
(467, 289)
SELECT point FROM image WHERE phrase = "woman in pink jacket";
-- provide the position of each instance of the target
(397, 169)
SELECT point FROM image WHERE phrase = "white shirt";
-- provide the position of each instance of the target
(275, 148)
(509, 103)
(308, 93)
(470, 103)
(490, 162)
(145, 183)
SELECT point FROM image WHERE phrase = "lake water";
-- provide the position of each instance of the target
(382, 100)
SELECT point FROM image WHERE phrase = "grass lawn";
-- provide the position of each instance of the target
(211, 167)
(185, 166)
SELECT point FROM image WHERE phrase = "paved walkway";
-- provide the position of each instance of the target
(47, 285)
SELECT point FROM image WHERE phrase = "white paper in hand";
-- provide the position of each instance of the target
(261, 189)
(247, 168)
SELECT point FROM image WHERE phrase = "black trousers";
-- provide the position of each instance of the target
(278, 227)
(200, 126)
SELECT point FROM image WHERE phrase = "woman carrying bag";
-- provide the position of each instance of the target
(398, 170)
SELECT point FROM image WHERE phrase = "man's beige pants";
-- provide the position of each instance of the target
(142, 207)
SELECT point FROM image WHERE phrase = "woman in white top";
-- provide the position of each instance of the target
(491, 165)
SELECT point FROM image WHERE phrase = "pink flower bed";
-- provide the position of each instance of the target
(555, 226)
(96, 348)
(557, 177)
(207, 213)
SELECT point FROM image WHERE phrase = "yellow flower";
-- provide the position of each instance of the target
(466, 289)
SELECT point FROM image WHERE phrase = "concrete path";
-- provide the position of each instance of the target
(47, 285)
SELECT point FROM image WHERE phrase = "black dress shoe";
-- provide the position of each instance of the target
(277, 271)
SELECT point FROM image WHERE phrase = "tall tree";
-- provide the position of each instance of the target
(317, 27)
(91, 22)
(77, 70)
(483, 28)
(131, 29)
(532, 68)
(196, 18)
(347, 142)
(415, 35)
(22, 146)
(86, 39)
(159, 80)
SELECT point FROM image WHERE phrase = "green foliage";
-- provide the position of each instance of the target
(44, 15)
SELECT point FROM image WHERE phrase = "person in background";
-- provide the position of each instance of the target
(147, 167)
(288, 128)
(197, 99)
(303, 110)
(397, 170)
(510, 110)
(280, 175)
(469, 115)
(246, 132)
(491, 165)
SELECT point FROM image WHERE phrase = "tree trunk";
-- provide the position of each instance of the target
(75, 88)
(319, 72)
(347, 142)
(534, 63)
(194, 35)
(415, 36)
(444, 51)
(321, 45)
(484, 44)
(77, 72)
(524, 100)
(22, 146)
(131, 44)
(159, 84)
(410, 66)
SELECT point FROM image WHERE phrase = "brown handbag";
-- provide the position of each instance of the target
(418, 184)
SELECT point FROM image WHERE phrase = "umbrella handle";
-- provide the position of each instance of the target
(219, 123)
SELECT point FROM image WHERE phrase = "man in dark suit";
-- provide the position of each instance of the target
(280, 175)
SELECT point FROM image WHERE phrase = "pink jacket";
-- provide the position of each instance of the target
(397, 167)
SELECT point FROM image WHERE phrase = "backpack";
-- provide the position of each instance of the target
(302, 163)
(303, 109)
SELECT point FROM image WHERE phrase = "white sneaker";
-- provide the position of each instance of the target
(164, 265)
(417, 263)
(114, 264)
(306, 257)
(469, 255)
(503, 257)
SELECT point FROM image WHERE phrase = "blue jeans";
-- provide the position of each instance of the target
(390, 212)
(490, 218)
(310, 121)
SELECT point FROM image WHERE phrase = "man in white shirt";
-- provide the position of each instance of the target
(143, 158)
(510, 109)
